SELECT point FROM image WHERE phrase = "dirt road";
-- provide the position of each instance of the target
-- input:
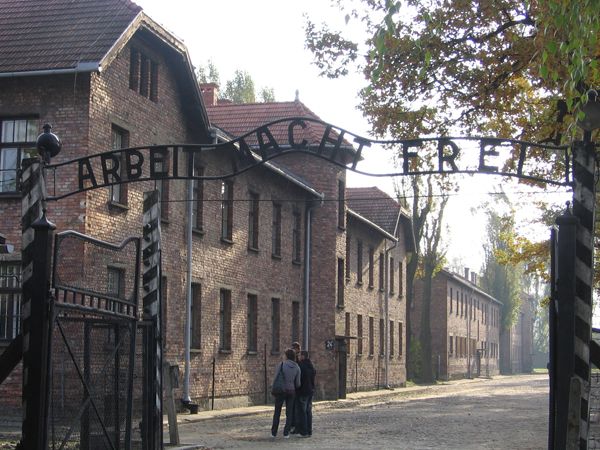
(503, 413)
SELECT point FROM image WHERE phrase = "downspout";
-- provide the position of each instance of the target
(188, 303)
(307, 267)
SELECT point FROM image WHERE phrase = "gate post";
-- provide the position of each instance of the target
(152, 341)
(37, 234)
(584, 202)
(562, 357)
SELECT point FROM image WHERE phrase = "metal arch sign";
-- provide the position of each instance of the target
(435, 155)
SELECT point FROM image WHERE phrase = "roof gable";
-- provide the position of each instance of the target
(375, 205)
(38, 35)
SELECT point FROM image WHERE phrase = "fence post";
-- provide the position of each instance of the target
(37, 233)
(584, 202)
(565, 328)
(152, 430)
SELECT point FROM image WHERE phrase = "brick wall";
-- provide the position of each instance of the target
(463, 323)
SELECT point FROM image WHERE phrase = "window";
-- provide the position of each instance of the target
(252, 322)
(116, 282)
(359, 334)
(457, 303)
(400, 339)
(462, 304)
(253, 214)
(451, 344)
(143, 75)
(115, 286)
(341, 204)
(225, 320)
(371, 263)
(359, 262)
(275, 325)
(391, 276)
(371, 337)
(381, 271)
(451, 300)
(348, 253)
(227, 210)
(340, 282)
(391, 338)
(196, 316)
(10, 299)
(161, 165)
(295, 321)
(381, 337)
(17, 141)
(198, 197)
(119, 140)
(296, 237)
(400, 279)
(347, 324)
(276, 231)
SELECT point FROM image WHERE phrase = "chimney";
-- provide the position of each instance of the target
(467, 273)
(210, 93)
(474, 278)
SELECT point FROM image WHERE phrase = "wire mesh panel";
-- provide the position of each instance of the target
(594, 423)
(93, 340)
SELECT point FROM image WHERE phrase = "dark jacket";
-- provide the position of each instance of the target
(307, 378)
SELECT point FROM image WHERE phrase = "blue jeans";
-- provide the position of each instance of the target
(289, 413)
(305, 411)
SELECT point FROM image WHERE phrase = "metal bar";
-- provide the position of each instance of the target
(85, 385)
(151, 251)
(36, 251)
(584, 202)
(10, 358)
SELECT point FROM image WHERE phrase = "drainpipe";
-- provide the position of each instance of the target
(307, 266)
(188, 304)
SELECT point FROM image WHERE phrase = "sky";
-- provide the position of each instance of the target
(266, 39)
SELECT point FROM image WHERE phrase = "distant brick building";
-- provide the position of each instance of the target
(109, 77)
(516, 344)
(465, 326)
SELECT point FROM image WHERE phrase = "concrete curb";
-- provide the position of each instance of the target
(351, 400)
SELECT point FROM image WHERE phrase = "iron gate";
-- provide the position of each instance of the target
(93, 319)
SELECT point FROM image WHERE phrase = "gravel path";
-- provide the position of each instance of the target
(503, 413)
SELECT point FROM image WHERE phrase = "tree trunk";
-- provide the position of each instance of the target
(411, 270)
(425, 334)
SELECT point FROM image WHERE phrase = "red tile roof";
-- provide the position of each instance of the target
(237, 119)
(59, 34)
(374, 205)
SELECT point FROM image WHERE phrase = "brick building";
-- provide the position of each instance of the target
(516, 344)
(465, 326)
(109, 77)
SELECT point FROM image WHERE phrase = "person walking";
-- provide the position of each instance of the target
(305, 394)
(289, 372)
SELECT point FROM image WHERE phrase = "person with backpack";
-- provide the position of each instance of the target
(285, 383)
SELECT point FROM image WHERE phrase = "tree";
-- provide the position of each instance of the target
(421, 201)
(501, 280)
(240, 89)
(506, 67)
(208, 73)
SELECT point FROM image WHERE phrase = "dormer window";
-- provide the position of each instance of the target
(143, 75)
